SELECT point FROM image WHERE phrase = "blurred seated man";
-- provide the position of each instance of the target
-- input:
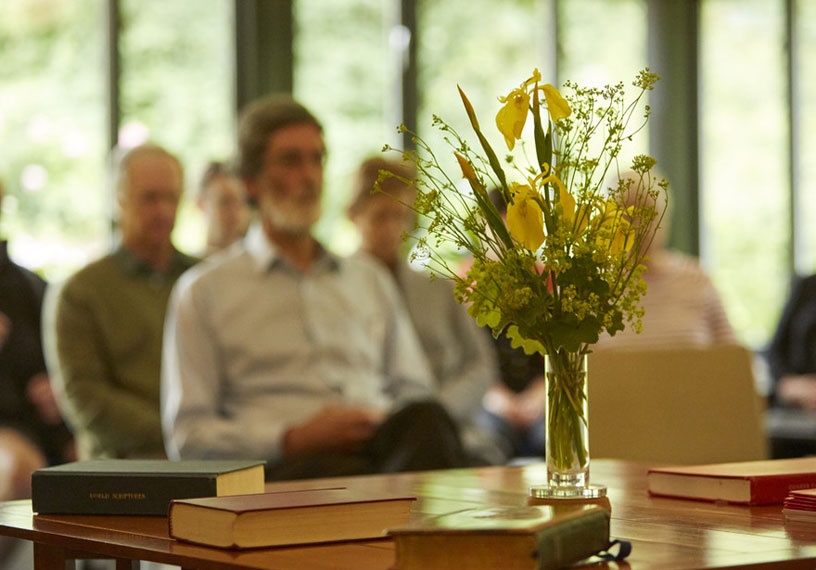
(222, 200)
(104, 338)
(459, 352)
(513, 407)
(32, 433)
(280, 350)
(792, 350)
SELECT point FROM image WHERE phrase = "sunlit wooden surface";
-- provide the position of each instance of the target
(665, 533)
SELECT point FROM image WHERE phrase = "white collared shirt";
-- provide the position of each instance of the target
(254, 346)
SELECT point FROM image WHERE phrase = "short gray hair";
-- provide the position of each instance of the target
(259, 120)
(123, 159)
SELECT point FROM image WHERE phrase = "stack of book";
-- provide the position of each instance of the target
(748, 482)
(800, 506)
(224, 504)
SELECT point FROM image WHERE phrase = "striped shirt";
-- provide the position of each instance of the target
(682, 308)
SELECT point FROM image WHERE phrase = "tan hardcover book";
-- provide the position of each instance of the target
(138, 486)
(510, 538)
(748, 482)
(288, 517)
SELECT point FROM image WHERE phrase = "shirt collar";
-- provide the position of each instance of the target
(267, 257)
(132, 265)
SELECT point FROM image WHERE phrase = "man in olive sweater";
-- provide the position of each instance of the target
(104, 329)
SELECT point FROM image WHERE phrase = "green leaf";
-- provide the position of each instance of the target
(529, 346)
(491, 155)
(486, 205)
(572, 333)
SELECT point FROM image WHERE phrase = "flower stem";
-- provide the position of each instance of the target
(567, 433)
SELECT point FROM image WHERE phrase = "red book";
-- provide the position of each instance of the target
(748, 482)
(800, 506)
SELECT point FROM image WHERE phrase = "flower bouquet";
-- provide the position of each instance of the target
(556, 232)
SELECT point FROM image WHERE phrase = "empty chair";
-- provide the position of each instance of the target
(675, 406)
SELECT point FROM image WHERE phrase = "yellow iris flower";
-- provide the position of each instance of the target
(613, 218)
(524, 217)
(565, 199)
(556, 104)
(511, 118)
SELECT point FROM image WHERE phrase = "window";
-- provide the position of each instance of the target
(487, 51)
(52, 123)
(744, 157)
(805, 119)
(176, 89)
(593, 53)
(340, 75)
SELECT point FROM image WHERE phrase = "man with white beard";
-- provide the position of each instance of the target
(282, 351)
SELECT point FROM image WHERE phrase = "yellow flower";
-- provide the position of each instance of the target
(565, 199)
(524, 217)
(556, 104)
(511, 118)
(613, 219)
(621, 242)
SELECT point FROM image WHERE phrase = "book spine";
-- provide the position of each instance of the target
(566, 543)
(90, 494)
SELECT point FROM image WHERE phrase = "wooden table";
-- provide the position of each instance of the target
(665, 533)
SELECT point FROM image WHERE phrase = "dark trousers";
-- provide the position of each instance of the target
(418, 437)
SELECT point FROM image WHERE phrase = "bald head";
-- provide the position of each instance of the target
(149, 183)
(644, 191)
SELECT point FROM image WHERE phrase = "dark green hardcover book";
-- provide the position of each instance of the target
(138, 487)
(510, 538)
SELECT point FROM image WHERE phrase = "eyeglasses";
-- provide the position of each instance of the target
(295, 159)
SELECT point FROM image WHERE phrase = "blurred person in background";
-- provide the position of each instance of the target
(792, 350)
(682, 306)
(459, 352)
(280, 350)
(222, 200)
(104, 325)
(513, 406)
(32, 433)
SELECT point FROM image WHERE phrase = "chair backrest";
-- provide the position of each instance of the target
(677, 406)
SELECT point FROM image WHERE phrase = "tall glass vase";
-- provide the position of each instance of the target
(567, 421)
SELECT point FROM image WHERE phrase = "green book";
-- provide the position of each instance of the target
(510, 538)
(138, 486)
